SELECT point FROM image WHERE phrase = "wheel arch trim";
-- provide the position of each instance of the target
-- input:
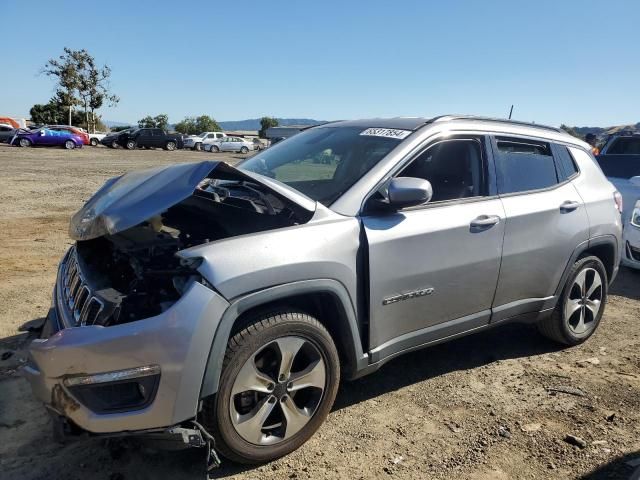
(240, 305)
(602, 240)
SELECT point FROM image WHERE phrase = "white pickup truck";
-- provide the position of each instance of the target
(194, 142)
(96, 138)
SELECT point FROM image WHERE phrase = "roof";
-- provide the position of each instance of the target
(401, 123)
(414, 123)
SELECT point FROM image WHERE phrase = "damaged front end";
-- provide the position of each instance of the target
(132, 322)
(124, 266)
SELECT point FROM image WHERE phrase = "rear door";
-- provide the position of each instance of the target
(433, 269)
(158, 137)
(546, 221)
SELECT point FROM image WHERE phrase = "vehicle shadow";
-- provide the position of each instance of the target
(626, 467)
(626, 284)
(472, 351)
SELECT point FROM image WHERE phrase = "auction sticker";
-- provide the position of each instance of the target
(386, 132)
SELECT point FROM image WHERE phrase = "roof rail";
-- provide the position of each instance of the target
(446, 118)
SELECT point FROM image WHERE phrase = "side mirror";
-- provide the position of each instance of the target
(42, 133)
(635, 181)
(408, 192)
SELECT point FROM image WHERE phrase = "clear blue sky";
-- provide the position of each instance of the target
(558, 61)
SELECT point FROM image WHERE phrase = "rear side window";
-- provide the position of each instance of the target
(625, 146)
(567, 165)
(524, 165)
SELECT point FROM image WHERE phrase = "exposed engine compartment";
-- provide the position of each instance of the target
(136, 272)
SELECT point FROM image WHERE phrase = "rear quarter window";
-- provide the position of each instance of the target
(568, 167)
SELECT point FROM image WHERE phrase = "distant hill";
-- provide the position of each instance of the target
(112, 123)
(604, 131)
(254, 123)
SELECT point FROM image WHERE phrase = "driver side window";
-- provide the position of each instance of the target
(453, 167)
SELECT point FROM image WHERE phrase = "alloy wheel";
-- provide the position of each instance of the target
(584, 301)
(277, 391)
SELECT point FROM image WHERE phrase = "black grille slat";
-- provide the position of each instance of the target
(84, 306)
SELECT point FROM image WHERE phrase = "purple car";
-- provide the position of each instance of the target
(47, 137)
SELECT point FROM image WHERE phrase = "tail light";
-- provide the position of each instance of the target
(618, 199)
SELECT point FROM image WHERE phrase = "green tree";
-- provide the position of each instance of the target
(54, 112)
(159, 121)
(195, 125)
(80, 82)
(65, 70)
(571, 131)
(267, 122)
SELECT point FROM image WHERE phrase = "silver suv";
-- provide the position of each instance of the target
(213, 302)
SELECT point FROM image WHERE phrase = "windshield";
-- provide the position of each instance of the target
(622, 166)
(322, 162)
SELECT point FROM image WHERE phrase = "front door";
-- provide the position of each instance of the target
(433, 269)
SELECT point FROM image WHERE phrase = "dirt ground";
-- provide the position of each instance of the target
(496, 405)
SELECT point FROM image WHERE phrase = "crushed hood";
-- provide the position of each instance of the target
(126, 201)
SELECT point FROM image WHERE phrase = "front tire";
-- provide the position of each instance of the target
(215, 148)
(94, 142)
(131, 145)
(114, 144)
(25, 142)
(279, 380)
(197, 147)
(581, 305)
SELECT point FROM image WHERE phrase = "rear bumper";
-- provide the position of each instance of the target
(178, 341)
(631, 248)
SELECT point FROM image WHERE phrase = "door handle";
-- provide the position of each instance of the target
(485, 221)
(569, 206)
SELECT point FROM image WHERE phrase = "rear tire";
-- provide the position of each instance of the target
(69, 145)
(94, 142)
(244, 150)
(170, 146)
(296, 407)
(574, 320)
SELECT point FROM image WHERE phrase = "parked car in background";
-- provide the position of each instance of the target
(6, 132)
(259, 144)
(150, 138)
(195, 142)
(46, 137)
(95, 138)
(74, 130)
(232, 144)
(620, 162)
(111, 139)
(203, 300)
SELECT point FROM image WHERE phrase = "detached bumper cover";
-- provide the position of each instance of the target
(178, 341)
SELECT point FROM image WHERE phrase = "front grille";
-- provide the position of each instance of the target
(83, 305)
(633, 252)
